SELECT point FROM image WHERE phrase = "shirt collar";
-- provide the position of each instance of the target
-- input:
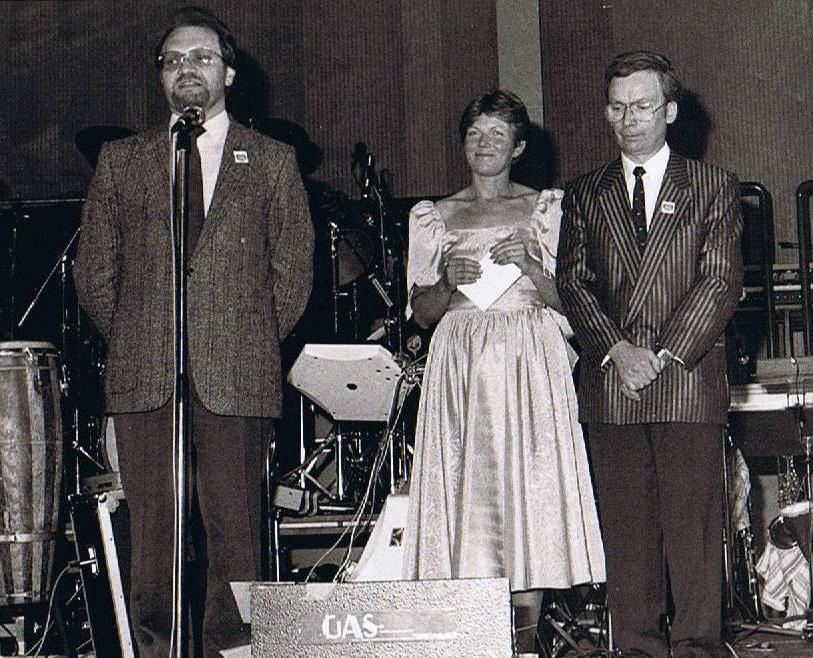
(655, 166)
(216, 127)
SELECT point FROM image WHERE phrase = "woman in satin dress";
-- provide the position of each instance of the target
(500, 485)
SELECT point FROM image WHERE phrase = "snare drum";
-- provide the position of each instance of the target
(30, 469)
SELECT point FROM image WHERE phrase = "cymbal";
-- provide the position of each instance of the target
(355, 250)
(308, 154)
(89, 140)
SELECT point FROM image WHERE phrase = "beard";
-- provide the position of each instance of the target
(183, 97)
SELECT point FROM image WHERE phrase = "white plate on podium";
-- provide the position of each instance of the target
(349, 382)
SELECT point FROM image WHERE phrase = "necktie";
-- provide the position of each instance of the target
(196, 208)
(639, 207)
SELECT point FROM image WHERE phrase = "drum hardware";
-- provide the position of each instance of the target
(71, 348)
(572, 616)
(782, 399)
(359, 386)
(385, 274)
(741, 581)
(790, 486)
(363, 516)
(807, 539)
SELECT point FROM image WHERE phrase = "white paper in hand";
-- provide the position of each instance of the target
(493, 282)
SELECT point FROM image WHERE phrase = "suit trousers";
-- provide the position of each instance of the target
(660, 495)
(227, 466)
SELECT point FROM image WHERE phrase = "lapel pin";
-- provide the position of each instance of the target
(668, 207)
(240, 157)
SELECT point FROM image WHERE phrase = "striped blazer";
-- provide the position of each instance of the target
(678, 294)
(249, 274)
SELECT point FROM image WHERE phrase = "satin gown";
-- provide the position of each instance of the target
(500, 484)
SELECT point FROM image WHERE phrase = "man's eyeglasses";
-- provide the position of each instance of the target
(200, 58)
(640, 110)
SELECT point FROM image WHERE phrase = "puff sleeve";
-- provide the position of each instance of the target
(428, 242)
(545, 222)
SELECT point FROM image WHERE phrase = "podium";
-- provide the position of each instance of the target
(408, 619)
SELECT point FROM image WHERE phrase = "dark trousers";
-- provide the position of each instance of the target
(659, 491)
(228, 459)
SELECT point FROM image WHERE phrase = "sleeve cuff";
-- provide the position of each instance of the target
(667, 357)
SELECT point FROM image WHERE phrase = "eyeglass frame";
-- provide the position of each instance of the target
(184, 57)
(631, 108)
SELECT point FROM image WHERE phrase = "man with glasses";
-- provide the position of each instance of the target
(249, 276)
(649, 272)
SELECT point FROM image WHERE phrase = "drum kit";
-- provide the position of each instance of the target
(355, 383)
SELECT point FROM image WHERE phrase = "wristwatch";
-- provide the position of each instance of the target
(665, 356)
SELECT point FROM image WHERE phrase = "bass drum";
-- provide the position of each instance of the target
(30, 469)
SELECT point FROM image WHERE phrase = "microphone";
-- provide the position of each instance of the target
(192, 116)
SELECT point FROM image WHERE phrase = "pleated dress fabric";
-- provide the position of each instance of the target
(500, 484)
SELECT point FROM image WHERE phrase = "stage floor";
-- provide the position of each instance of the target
(755, 645)
(760, 644)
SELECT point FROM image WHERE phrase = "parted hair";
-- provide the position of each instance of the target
(644, 60)
(501, 104)
(201, 17)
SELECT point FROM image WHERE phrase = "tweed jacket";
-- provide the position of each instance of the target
(678, 294)
(249, 275)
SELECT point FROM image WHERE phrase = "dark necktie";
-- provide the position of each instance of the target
(197, 213)
(639, 207)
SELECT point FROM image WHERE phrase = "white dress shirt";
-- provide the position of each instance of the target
(655, 169)
(210, 147)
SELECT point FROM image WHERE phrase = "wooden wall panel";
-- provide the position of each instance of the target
(574, 38)
(394, 74)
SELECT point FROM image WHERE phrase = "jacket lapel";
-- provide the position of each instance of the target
(674, 195)
(157, 171)
(228, 177)
(614, 204)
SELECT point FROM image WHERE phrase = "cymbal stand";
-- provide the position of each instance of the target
(7, 332)
(335, 236)
(730, 554)
(807, 443)
(388, 287)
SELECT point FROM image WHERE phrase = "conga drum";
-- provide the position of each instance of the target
(30, 469)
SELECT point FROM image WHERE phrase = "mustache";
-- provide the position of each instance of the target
(189, 77)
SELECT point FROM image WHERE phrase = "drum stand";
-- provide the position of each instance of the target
(807, 443)
(730, 536)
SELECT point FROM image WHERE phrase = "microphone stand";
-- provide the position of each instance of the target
(181, 145)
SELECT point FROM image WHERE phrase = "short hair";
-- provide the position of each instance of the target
(201, 17)
(501, 104)
(644, 60)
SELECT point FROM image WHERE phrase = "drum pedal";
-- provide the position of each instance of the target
(295, 499)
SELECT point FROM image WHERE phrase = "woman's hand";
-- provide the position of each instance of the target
(460, 270)
(514, 249)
